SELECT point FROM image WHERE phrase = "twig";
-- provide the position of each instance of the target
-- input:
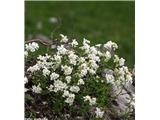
(44, 42)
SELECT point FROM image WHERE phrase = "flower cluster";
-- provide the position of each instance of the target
(71, 69)
(31, 47)
(92, 101)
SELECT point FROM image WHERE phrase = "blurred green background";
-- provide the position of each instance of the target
(96, 21)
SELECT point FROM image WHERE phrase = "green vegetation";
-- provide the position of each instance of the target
(96, 21)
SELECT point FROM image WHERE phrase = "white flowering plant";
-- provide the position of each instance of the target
(72, 80)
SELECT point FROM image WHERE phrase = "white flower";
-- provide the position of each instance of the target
(70, 99)
(46, 64)
(86, 48)
(93, 50)
(83, 72)
(109, 78)
(94, 57)
(81, 59)
(125, 69)
(93, 64)
(86, 45)
(40, 57)
(110, 45)
(62, 50)
(116, 58)
(57, 58)
(92, 71)
(72, 58)
(121, 61)
(87, 98)
(50, 88)
(129, 77)
(80, 82)
(67, 70)
(64, 38)
(36, 89)
(99, 113)
(49, 64)
(43, 58)
(74, 89)
(32, 47)
(86, 41)
(65, 93)
(98, 45)
(46, 71)
(121, 72)
(92, 101)
(41, 64)
(74, 43)
(100, 53)
(108, 55)
(59, 85)
(83, 66)
(25, 53)
(54, 76)
(33, 68)
(68, 79)
(25, 80)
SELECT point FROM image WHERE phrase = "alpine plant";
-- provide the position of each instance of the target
(75, 78)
